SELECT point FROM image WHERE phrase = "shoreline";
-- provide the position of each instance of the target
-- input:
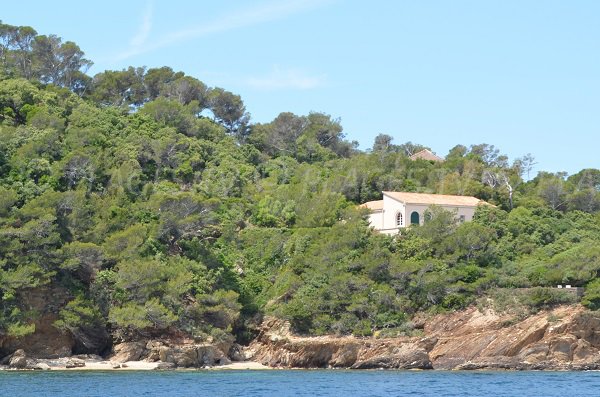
(106, 365)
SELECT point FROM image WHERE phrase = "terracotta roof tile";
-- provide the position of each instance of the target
(435, 199)
(426, 154)
(373, 205)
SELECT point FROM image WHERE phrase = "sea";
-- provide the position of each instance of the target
(297, 383)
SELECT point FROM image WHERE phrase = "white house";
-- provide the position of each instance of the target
(401, 209)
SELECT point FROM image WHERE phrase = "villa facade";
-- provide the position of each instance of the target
(398, 210)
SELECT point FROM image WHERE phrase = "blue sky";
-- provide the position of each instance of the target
(521, 75)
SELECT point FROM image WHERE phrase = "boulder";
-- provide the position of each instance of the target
(211, 355)
(128, 351)
(42, 366)
(153, 348)
(74, 363)
(18, 360)
(236, 353)
(181, 356)
(165, 366)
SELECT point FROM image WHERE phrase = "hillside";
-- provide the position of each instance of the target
(141, 203)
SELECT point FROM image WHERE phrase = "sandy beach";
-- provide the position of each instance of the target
(103, 365)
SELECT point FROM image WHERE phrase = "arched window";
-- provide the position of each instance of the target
(414, 218)
(399, 219)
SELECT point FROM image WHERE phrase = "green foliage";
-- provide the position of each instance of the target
(17, 330)
(157, 205)
(540, 297)
(591, 298)
(79, 313)
(272, 213)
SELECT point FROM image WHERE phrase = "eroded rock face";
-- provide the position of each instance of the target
(564, 338)
(276, 346)
(47, 341)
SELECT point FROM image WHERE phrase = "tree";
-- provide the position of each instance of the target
(551, 189)
(587, 200)
(273, 213)
(382, 143)
(187, 89)
(486, 153)
(410, 148)
(280, 136)
(62, 64)
(183, 217)
(16, 49)
(119, 88)
(156, 79)
(171, 113)
(591, 298)
(229, 110)
(471, 243)
(438, 225)
(525, 164)
(497, 179)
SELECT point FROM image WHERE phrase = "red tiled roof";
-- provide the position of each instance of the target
(426, 154)
(373, 205)
(435, 199)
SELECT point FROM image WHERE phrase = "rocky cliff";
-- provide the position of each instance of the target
(563, 338)
(277, 346)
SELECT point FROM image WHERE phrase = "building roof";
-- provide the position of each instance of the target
(435, 199)
(426, 154)
(373, 205)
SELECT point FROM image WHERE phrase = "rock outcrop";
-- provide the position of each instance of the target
(181, 353)
(47, 341)
(276, 346)
(564, 338)
(20, 360)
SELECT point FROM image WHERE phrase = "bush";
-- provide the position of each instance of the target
(541, 298)
(591, 297)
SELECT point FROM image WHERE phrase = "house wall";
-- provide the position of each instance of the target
(467, 212)
(384, 220)
(391, 208)
(376, 219)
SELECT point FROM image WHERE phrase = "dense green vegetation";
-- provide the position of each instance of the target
(157, 205)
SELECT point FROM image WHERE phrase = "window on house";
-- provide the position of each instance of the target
(414, 218)
(461, 218)
(399, 219)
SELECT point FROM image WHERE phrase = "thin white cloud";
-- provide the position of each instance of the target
(280, 79)
(263, 13)
(141, 37)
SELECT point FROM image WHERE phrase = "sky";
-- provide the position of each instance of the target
(523, 75)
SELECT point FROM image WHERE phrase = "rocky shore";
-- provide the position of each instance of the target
(565, 338)
(138, 355)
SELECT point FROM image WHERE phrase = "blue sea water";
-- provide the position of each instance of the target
(298, 383)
